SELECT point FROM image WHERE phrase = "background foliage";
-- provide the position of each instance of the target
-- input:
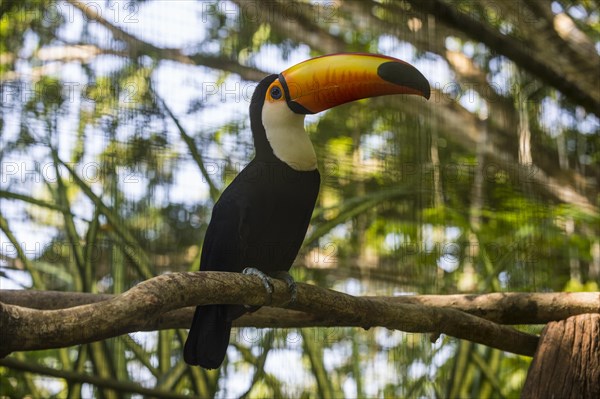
(121, 122)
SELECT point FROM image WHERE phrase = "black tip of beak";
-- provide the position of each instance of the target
(404, 75)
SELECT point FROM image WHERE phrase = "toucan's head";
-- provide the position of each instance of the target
(280, 102)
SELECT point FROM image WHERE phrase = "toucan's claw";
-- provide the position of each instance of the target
(292, 287)
(266, 280)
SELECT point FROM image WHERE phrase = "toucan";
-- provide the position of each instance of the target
(260, 220)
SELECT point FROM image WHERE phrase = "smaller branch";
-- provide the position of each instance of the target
(226, 64)
(561, 29)
(21, 255)
(136, 47)
(134, 44)
(132, 247)
(31, 200)
(83, 53)
(31, 329)
(72, 376)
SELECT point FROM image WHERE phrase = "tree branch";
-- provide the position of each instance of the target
(30, 329)
(75, 377)
(136, 47)
(571, 86)
(503, 308)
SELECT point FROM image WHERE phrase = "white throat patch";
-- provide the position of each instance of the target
(286, 134)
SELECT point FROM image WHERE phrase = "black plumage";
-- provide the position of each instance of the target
(259, 221)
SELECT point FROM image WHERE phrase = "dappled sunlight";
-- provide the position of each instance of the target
(122, 123)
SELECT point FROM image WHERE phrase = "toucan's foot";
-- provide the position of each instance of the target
(292, 287)
(266, 280)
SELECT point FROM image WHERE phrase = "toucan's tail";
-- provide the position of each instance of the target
(208, 338)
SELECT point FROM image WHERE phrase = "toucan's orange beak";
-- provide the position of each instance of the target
(324, 82)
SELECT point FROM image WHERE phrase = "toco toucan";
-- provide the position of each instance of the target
(259, 222)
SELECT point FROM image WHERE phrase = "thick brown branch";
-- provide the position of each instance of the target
(515, 307)
(503, 308)
(29, 329)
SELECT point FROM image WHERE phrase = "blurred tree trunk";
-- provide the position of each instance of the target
(567, 361)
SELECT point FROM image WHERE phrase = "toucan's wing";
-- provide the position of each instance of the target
(208, 337)
(224, 239)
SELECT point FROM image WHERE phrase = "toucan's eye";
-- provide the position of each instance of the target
(275, 93)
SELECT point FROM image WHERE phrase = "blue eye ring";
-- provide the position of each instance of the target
(276, 92)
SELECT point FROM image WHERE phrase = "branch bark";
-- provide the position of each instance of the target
(30, 329)
(503, 308)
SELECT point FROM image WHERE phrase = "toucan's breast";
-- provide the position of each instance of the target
(275, 204)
